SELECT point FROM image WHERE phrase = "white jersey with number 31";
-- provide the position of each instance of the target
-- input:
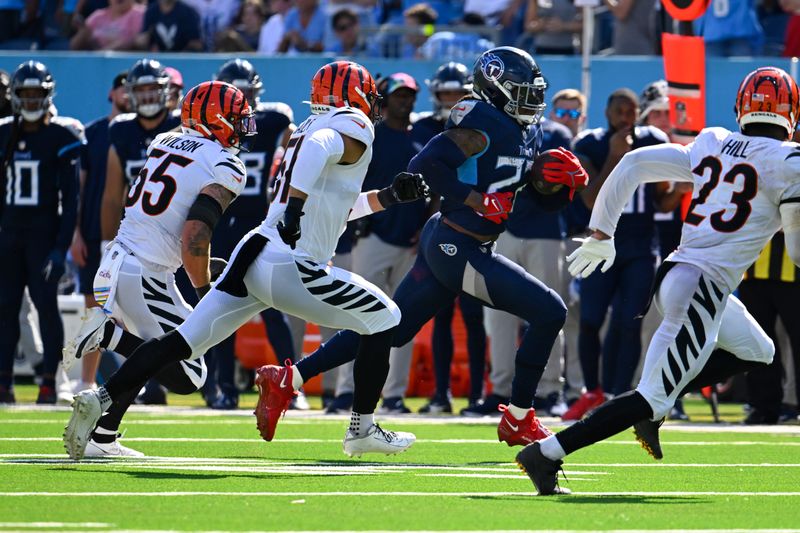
(331, 194)
(178, 167)
(739, 183)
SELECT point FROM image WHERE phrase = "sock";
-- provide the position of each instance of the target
(111, 336)
(104, 436)
(526, 379)
(120, 341)
(360, 423)
(517, 412)
(552, 449)
(297, 378)
(105, 398)
(609, 419)
(720, 366)
(370, 370)
(49, 381)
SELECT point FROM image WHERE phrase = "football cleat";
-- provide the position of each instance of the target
(47, 395)
(88, 337)
(542, 471)
(437, 406)
(377, 440)
(340, 405)
(86, 411)
(393, 406)
(520, 432)
(275, 393)
(485, 407)
(109, 449)
(646, 432)
(588, 401)
(299, 402)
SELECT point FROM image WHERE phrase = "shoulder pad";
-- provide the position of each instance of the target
(122, 117)
(425, 115)
(642, 131)
(276, 107)
(72, 124)
(6, 120)
(353, 123)
(471, 113)
(595, 134)
(715, 132)
(229, 172)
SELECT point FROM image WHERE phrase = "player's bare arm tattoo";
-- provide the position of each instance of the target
(470, 141)
(220, 194)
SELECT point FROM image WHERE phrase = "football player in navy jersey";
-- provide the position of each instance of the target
(86, 242)
(130, 134)
(450, 83)
(274, 122)
(628, 283)
(38, 212)
(477, 164)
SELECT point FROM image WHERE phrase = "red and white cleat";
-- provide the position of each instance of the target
(588, 401)
(275, 393)
(520, 432)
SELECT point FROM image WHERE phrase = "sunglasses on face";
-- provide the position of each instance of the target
(343, 27)
(574, 114)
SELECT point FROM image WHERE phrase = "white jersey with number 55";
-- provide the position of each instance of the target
(178, 167)
(739, 181)
(332, 191)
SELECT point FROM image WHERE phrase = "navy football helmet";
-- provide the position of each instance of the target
(241, 74)
(510, 80)
(148, 87)
(451, 76)
(32, 75)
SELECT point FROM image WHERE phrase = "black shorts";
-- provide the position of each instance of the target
(86, 274)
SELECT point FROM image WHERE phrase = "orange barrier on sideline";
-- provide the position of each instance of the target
(685, 70)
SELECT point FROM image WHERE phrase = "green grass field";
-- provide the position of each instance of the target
(208, 471)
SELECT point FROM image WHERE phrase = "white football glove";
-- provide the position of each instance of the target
(588, 257)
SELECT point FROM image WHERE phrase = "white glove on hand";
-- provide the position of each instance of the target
(588, 257)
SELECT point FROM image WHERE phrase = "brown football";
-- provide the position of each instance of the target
(536, 178)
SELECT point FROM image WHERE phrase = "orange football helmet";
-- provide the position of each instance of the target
(218, 111)
(344, 83)
(768, 95)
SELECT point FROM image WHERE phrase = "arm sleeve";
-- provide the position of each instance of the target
(68, 185)
(322, 147)
(438, 163)
(663, 162)
(361, 208)
(790, 219)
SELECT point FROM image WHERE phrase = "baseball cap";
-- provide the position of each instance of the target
(175, 77)
(119, 80)
(399, 80)
(654, 97)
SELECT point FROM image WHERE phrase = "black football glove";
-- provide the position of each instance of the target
(53, 267)
(406, 187)
(289, 227)
(216, 265)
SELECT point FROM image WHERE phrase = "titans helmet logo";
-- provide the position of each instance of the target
(492, 66)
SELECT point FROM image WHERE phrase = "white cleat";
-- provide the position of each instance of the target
(109, 449)
(88, 337)
(377, 440)
(86, 411)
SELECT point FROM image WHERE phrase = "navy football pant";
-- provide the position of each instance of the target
(442, 341)
(24, 254)
(626, 287)
(449, 263)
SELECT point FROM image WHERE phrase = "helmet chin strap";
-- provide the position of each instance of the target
(31, 116)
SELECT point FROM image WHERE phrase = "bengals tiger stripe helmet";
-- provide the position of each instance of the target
(218, 111)
(768, 95)
(344, 83)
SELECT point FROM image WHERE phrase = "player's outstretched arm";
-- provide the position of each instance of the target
(406, 187)
(196, 236)
(790, 220)
(113, 194)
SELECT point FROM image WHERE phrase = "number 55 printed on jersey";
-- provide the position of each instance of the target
(155, 203)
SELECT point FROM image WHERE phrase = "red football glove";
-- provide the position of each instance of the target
(567, 170)
(498, 206)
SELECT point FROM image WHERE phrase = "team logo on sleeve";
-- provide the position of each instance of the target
(449, 249)
(492, 66)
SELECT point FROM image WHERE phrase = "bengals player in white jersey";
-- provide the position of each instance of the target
(188, 180)
(746, 188)
(283, 264)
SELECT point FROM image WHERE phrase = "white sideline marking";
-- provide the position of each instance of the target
(419, 441)
(413, 494)
(55, 524)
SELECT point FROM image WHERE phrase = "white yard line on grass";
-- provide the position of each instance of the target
(58, 525)
(382, 494)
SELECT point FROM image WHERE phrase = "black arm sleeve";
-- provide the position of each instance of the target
(549, 202)
(205, 209)
(69, 187)
(438, 163)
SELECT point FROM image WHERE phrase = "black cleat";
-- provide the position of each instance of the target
(646, 432)
(542, 471)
